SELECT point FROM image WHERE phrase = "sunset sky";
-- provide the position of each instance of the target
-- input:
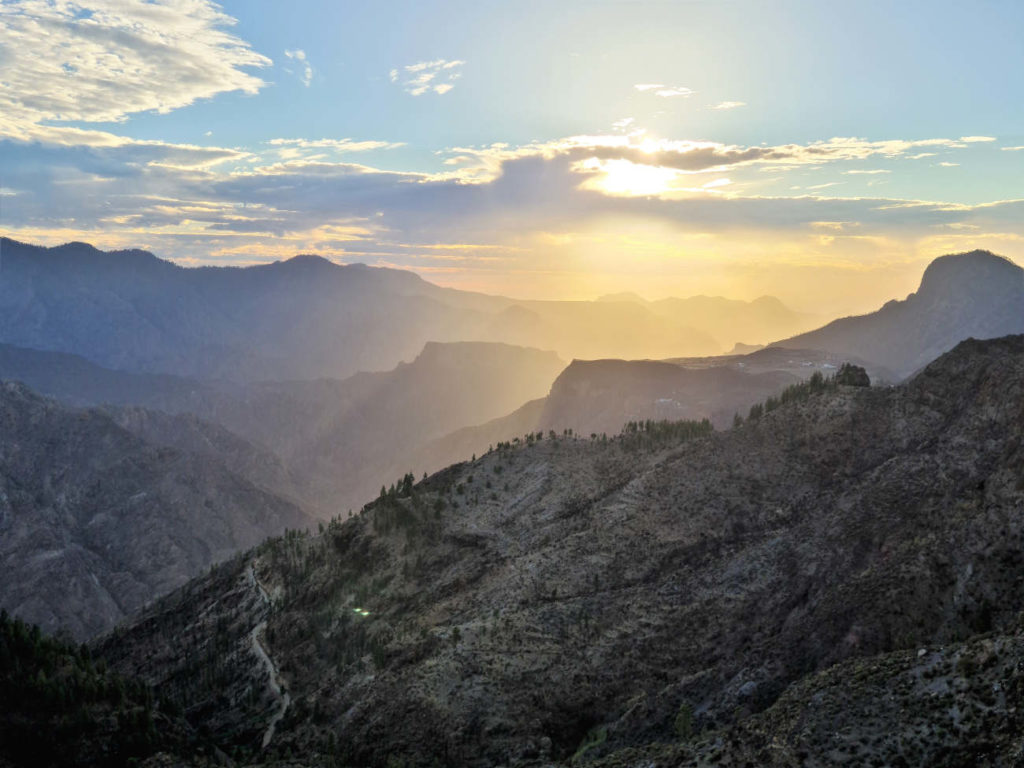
(819, 151)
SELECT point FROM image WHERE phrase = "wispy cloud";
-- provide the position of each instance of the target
(665, 91)
(872, 172)
(947, 164)
(976, 139)
(1013, 149)
(339, 145)
(102, 60)
(729, 104)
(300, 58)
(436, 76)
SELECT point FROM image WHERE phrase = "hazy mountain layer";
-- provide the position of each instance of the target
(335, 441)
(731, 322)
(308, 318)
(976, 294)
(96, 522)
(578, 597)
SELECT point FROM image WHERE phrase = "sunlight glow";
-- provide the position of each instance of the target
(623, 178)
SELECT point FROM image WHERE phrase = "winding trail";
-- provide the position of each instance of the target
(275, 682)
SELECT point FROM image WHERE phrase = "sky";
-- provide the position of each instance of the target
(822, 152)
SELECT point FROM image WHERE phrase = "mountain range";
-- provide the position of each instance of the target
(608, 579)
(837, 579)
(308, 318)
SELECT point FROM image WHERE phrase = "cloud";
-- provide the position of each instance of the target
(102, 60)
(665, 91)
(527, 207)
(947, 164)
(436, 76)
(1013, 149)
(729, 104)
(299, 56)
(688, 156)
(872, 172)
(530, 193)
(338, 145)
(976, 139)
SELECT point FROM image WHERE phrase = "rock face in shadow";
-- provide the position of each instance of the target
(976, 294)
(575, 597)
(95, 522)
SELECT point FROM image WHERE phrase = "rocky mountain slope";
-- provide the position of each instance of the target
(304, 318)
(95, 522)
(975, 294)
(942, 706)
(672, 594)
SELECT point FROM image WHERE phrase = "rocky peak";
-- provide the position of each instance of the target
(972, 274)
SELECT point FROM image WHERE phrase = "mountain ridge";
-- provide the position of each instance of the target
(974, 293)
(572, 596)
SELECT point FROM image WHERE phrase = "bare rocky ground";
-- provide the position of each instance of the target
(760, 596)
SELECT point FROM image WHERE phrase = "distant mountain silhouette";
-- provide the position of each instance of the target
(967, 295)
(730, 321)
(307, 317)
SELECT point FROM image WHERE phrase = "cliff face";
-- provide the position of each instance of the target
(976, 294)
(600, 396)
(95, 522)
(595, 396)
(577, 597)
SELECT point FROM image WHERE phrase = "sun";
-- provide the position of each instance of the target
(623, 178)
